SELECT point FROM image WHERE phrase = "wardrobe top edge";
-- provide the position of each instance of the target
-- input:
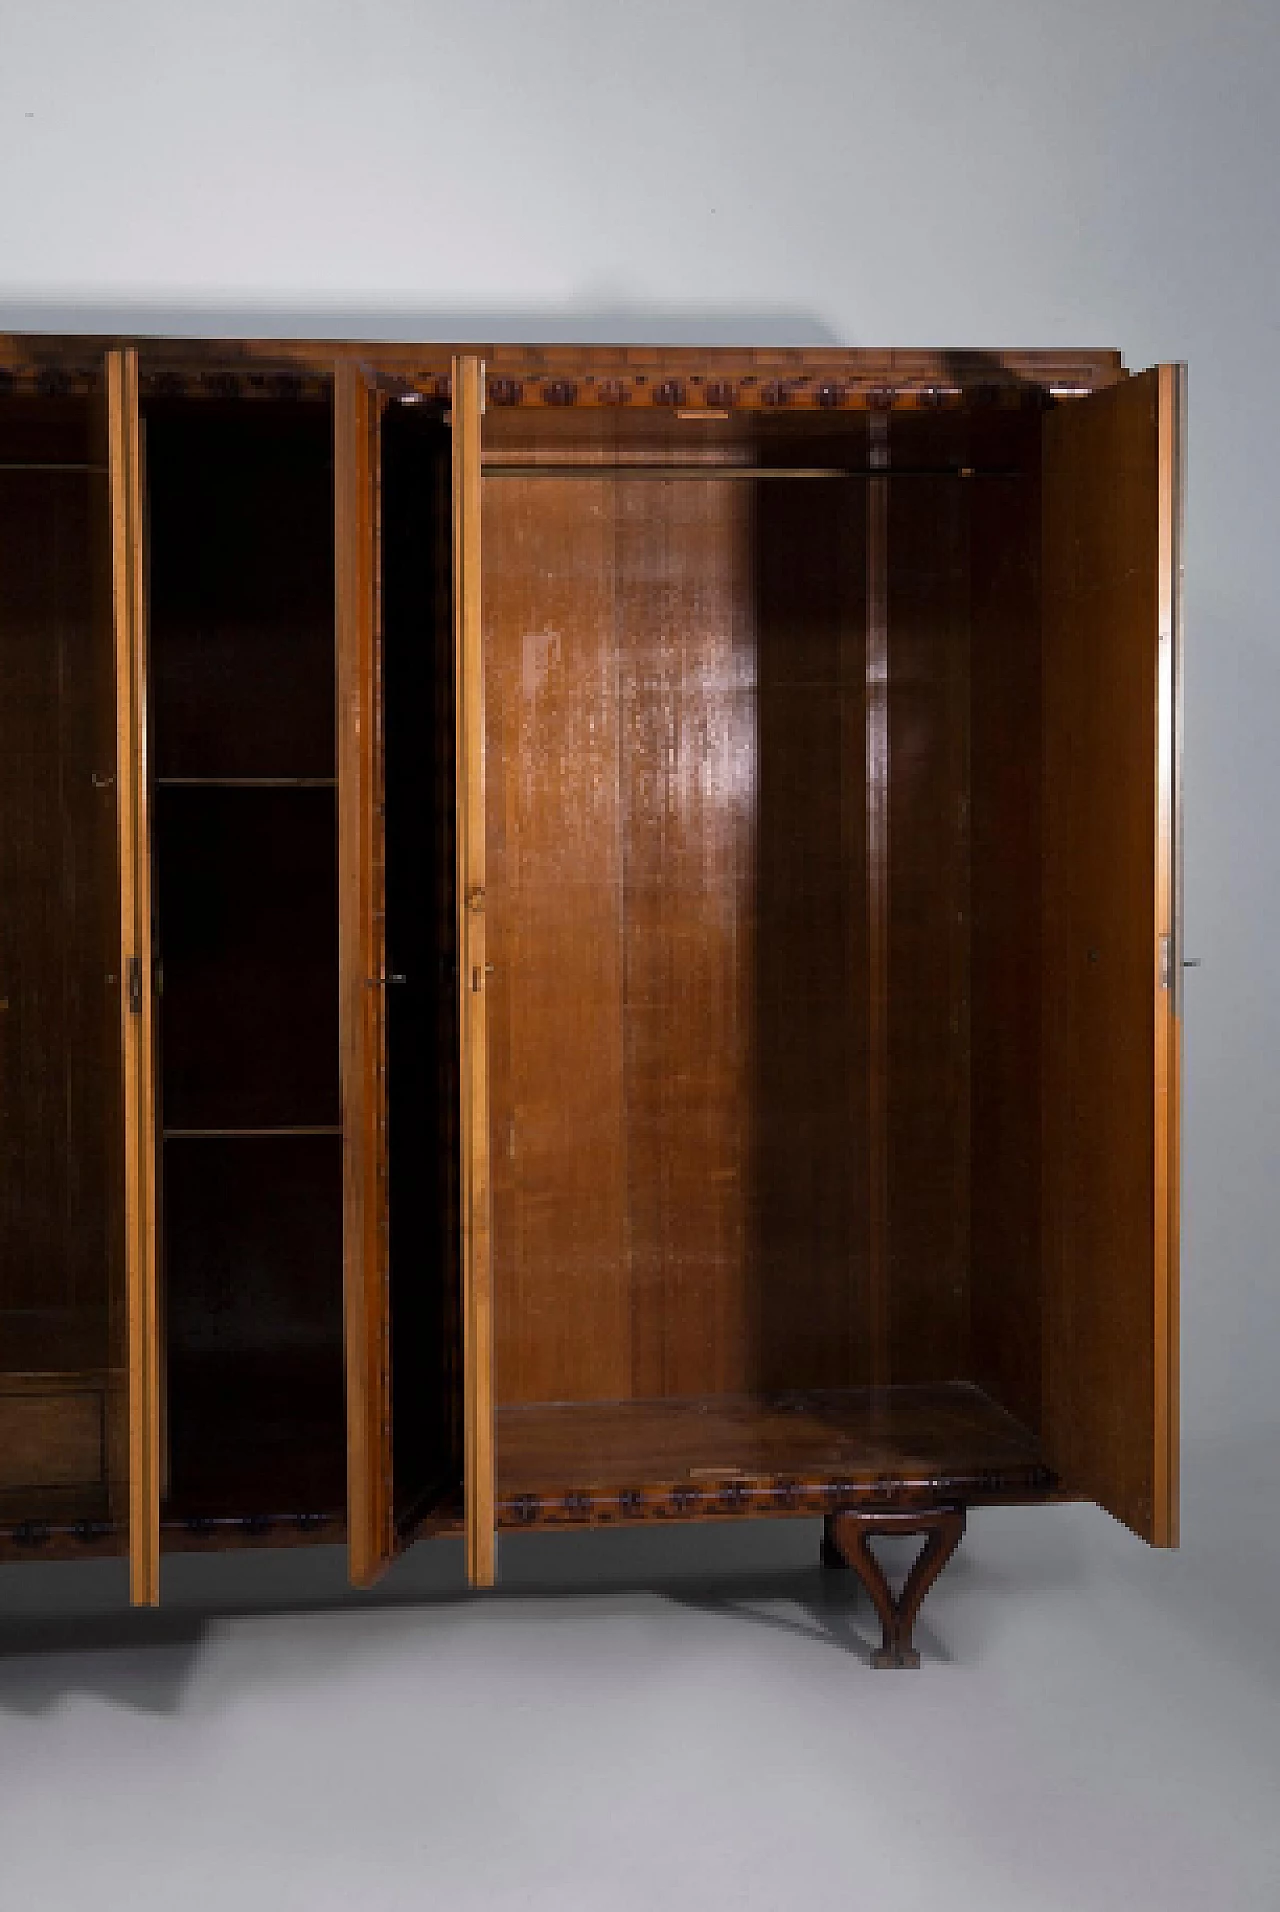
(963, 366)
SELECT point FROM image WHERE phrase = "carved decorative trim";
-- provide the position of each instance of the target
(753, 1498)
(60, 1540)
(713, 378)
(38, 377)
(80, 1539)
(800, 392)
(198, 1534)
(282, 384)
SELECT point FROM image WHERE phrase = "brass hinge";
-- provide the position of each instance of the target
(1166, 961)
(133, 983)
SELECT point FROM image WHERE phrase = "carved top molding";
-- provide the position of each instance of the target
(568, 376)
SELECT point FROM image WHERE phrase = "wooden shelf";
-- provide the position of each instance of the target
(251, 1134)
(718, 1457)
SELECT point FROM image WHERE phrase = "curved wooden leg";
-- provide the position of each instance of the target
(830, 1554)
(851, 1533)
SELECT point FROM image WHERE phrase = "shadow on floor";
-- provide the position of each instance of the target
(67, 1639)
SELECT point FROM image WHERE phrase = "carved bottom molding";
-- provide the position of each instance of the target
(846, 1541)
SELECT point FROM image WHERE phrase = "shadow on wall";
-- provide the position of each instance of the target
(588, 323)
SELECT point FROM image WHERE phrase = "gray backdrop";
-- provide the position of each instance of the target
(1096, 1726)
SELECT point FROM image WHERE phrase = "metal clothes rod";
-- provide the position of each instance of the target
(235, 1135)
(247, 783)
(747, 473)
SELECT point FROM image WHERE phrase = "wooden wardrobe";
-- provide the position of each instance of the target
(586, 935)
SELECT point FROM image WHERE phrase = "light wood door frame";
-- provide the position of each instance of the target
(124, 442)
(473, 1129)
(371, 1539)
(1171, 416)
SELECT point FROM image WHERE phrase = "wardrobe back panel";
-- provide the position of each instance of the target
(921, 871)
(737, 843)
(677, 841)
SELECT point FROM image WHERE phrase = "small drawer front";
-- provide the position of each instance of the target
(50, 1440)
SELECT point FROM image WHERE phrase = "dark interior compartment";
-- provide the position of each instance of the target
(246, 905)
(245, 897)
(247, 920)
(240, 538)
(422, 1011)
(253, 1315)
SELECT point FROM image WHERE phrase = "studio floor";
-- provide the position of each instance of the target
(676, 1719)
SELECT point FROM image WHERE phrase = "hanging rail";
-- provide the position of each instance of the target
(746, 473)
(48, 464)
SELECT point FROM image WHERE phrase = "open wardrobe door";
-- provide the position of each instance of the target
(128, 571)
(473, 1006)
(397, 924)
(1112, 503)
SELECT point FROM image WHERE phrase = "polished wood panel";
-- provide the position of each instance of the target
(677, 836)
(362, 955)
(51, 1440)
(1111, 484)
(473, 1015)
(739, 1456)
(679, 654)
(554, 929)
(135, 971)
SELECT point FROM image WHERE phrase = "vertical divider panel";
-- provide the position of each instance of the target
(366, 1294)
(878, 864)
(477, 1259)
(129, 610)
